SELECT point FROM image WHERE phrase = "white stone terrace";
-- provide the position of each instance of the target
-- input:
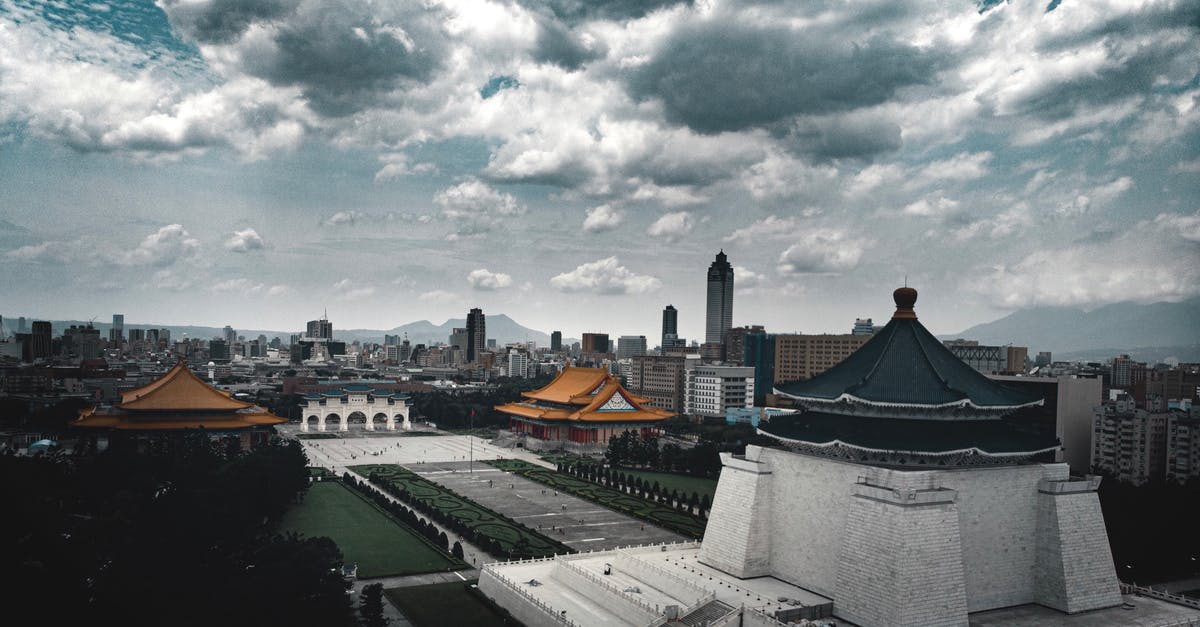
(641, 584)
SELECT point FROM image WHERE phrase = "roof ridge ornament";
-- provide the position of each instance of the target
(906, 298)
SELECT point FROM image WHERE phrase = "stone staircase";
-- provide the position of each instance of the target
(705, 613)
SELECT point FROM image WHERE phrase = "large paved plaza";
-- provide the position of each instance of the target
(407, 450)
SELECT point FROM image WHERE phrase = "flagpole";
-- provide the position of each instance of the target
(471, 443)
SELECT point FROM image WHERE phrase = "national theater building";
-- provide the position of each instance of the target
(909, 491)
(583, 406)
(177, 403)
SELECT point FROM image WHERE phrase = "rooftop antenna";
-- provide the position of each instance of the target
(906, 280)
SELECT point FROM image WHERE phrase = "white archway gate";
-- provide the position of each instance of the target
(370, 402)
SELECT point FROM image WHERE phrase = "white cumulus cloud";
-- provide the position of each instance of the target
(605, 276)
(486, 280)
(822, 251)
(672, 226)
(602, 218)
(244, 241)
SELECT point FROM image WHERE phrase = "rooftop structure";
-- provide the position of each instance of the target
(584, 406)
(179, 401)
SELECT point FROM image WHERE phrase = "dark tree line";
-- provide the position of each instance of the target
(632, 450)
(452, 409)
(180, 535)
(1152, 529)
(615, 478)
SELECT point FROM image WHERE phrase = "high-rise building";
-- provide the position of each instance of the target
(556, 342)
(719, 317)
(322, 328)
(670, 327)
(21, 325)
(116, 334)
(863, 327)
(229, 335)
(476, 334)
(1130, 443)
(40, 340)
(759, 353)
(218, 350)
(1044, 358)
(629, 346)
(459, 342)
(518, 364)
(1017, 356)
(595, 343)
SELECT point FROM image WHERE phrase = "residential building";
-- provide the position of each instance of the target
(710, 390)
(476, 335)
(735, 344)
(660, 379)
(1183, 446)
(1130, 443)
(595, 343)
(799, 356)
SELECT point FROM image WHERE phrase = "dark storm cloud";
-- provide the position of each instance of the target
(559, 45)
(222, 21)
(721, 76)
(575, 11)
(838, 137)
(342, 54)
(1132, 67)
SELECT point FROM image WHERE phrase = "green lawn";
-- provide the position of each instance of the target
(661, 515)
(379, 544)
(514, 537)
(686, 484)
(440, 604)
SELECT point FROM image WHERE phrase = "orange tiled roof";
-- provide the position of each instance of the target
(611, 403)
(224, 421)
(179, 390)
(571, 386)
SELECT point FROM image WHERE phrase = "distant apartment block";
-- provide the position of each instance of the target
(1130, 443)
(799, 357)
(710, 390)
(630, 346)
(659, 378)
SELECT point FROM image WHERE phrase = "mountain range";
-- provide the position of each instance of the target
(1150, 333)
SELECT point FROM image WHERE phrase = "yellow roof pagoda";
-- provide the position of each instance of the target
(584, 395)
(177, 400)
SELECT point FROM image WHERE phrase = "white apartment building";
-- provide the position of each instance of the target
(710, 390)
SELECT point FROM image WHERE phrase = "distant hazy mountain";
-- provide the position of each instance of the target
(1146, 332)
(499, 327)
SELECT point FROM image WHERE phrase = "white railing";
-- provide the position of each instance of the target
(651, 613)
(1178, 599)
(533, 600)
(700, 594)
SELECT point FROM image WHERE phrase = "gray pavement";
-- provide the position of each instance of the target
(578, 523)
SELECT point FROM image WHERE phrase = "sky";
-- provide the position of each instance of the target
(577, 164)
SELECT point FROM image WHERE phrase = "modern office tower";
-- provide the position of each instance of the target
(218, 350)
(801, 357)
(556, 342)
(322, 328)
(21, 325)
(1120, 375)
(1017, 356)
(476, 334)
(710, 390)
(40, 340)
(719, 317)
(229, 335)
(1044, 358)
(759, 353)
(594, 343)
(116, 335)
(629, 346)
(459, 340)
(164, 337)
(670, 327)
(863, 327)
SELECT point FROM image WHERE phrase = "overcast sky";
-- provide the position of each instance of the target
(577, 163)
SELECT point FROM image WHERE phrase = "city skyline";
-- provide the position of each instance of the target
(553, 163)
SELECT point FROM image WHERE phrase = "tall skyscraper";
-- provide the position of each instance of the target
(670, 327)
(595, 343)
(116, 335)
(322, 328)
(719, 318)
(476, 334)
(629, 346)
(40, 340)
(556, 341)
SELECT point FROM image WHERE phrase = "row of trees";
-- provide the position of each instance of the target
(695, 504)
(452, 409)
(428, 530)
(520, 550)
(182, 534)
(632, 450)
